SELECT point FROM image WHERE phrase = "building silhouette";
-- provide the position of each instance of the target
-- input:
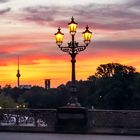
(47, 83)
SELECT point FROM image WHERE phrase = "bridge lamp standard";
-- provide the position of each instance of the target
(73, 49)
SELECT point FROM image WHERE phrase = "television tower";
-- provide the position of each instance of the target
(18, 74)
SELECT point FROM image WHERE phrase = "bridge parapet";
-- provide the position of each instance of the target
(114, 118)
(28, 117)
(44, 120)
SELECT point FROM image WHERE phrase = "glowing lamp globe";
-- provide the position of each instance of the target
(87, 36)
(72, 26)
(59, 37)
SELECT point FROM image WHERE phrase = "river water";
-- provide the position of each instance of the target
(46, 136)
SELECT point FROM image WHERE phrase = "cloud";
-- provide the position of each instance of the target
(101, 16)
(110, 17)
(40, 14)
(129, 45)
(3, 1)
(29, 52)
(4, 11)
(134, 3)
(44, 51)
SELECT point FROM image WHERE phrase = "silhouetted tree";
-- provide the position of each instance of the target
(111, 69)
(114, 86)
(6, 101)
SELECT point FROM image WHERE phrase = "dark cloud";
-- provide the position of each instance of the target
(134, 3)
(129, 45)
(3, 1)
(101, 16)
(40, 14)
(3, 11)
(44, 14)
(114, 17)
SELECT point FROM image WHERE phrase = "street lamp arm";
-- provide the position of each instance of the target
(80, 48)
(74, 50)
(65, 49)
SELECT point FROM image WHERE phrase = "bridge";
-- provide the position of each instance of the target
(44, 120)
(42, 136)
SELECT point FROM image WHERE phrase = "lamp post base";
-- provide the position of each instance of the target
(71, 119)
(73, 102)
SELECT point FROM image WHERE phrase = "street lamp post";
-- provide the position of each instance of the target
(73, 49)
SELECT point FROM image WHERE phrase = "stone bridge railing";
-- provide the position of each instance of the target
(27, 117)
(114, 118)
(44, 119)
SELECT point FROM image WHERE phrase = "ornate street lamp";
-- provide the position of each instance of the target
(73, 49)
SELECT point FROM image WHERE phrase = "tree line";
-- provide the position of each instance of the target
(113, 86)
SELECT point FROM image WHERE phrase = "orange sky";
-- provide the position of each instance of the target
(27, 30)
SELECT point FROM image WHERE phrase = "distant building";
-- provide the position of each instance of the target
(47, 83)
(25, 86)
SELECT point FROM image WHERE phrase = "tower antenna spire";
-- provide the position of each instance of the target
(18, 62)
